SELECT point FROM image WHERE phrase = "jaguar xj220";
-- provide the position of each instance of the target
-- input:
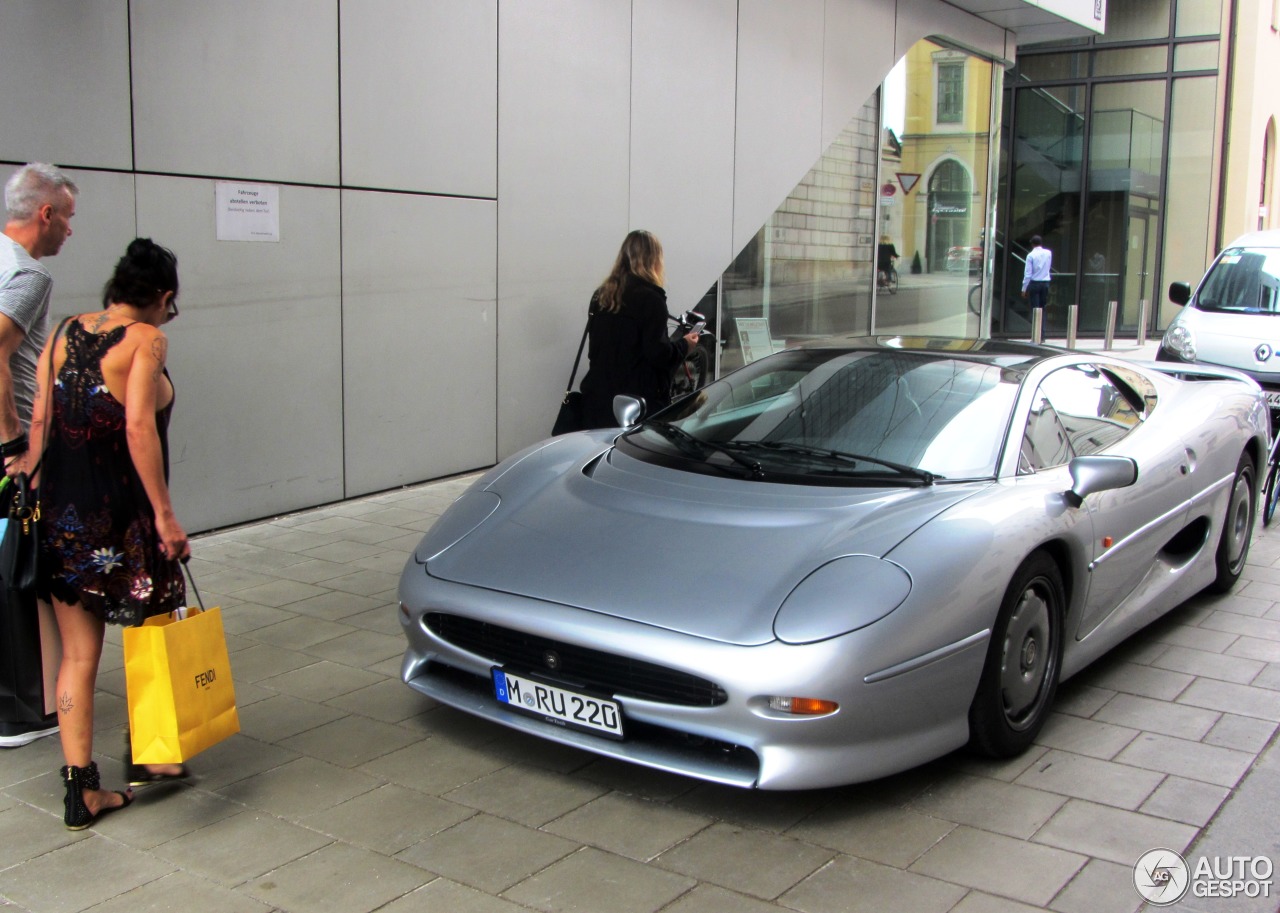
(837, 562)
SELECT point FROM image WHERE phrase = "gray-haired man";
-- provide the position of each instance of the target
(39, 203)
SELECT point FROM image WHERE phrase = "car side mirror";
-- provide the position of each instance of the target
(628, 410)
(1091, 474)
(1179, 292)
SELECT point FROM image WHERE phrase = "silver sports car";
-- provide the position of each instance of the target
(838, 562)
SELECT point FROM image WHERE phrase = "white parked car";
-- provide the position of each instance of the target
(1232, 320)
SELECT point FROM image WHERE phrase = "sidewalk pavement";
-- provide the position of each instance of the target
(347, 792)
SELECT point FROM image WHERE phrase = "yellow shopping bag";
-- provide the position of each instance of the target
(178, 680)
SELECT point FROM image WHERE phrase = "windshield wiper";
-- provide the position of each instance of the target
(687, 442)
(902, 469)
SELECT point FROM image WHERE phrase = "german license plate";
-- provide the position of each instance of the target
(1273, 400)
(562, 706)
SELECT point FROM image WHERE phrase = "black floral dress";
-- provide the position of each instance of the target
(98, 541)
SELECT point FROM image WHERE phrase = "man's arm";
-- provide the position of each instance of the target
(11, 336)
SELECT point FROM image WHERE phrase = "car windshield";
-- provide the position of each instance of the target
(1244, 280)
(824, 416)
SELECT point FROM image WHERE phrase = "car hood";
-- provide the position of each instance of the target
(1232, 339)
(704, 555)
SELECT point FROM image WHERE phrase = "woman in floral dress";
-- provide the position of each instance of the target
(110, 542)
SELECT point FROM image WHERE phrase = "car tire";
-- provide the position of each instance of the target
(1237, 527)
(1024, 661)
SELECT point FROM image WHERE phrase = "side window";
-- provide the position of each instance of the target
(1078, 411)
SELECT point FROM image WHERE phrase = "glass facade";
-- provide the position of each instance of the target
(1107, 153)
(886, 233)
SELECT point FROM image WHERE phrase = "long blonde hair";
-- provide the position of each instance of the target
(640, 255)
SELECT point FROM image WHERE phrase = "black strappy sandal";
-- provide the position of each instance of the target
(76, 815)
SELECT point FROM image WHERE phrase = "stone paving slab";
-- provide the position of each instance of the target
(347, 791)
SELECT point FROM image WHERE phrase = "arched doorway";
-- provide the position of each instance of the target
(950, 196)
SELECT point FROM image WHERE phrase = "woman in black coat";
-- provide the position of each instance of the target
(630, 351)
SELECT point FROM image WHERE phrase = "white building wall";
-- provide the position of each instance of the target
(455, 179)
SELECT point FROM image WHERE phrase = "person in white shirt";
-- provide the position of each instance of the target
(1035, 278)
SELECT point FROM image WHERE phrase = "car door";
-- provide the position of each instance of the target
(1099, 413)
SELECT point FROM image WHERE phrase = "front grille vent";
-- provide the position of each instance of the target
(593, 669)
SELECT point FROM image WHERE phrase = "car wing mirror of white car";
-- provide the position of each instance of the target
(628, 409)
(1179, 292)
(1090, 474)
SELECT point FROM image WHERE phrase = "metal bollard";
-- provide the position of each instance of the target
(1112, 308)
(1144, 311)
(1073, 318)
(1037, 325)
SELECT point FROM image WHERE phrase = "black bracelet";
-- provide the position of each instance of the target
(16, 447)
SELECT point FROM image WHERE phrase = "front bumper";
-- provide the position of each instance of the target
(890, 724)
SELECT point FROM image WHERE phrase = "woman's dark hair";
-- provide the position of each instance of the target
(143, 274)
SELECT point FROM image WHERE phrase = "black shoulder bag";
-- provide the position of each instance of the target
(570, 417)
(20, 544)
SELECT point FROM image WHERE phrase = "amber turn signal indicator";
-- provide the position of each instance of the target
(803, 706)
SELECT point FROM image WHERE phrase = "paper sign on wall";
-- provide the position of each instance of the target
(247, 212)
(753, 334)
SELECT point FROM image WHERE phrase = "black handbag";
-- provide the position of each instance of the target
(570, 417)
(19, 545)
(21, 665)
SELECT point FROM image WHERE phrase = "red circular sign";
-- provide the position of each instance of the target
(888, 189)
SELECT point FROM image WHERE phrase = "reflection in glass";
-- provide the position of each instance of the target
(1243, 281)
(811, 269)
(1198, 55)
(1134, 20)
(938, 226)
(829, 415)
(1189, 210)
(1125, 189)
(1046, 67)
(808, 271)
(1131, 61)
(1198, 17)
(1047, 160)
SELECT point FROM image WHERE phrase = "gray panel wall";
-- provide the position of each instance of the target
(65, 72)
(418, 343)
(420, 95)
(455, 178)
(255, 355)
(563, 163)
(779, 116)
(236, 88)
(682, 137)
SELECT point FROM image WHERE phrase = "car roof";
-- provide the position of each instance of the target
(1008, 354)
(1267, 238)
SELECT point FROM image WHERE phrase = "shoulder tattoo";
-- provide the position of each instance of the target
(159, 347)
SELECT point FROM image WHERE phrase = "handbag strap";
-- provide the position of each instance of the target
(577, 358)
(48, 394)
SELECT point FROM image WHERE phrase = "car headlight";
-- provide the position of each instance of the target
(841, 596)
(1179, 340)
(464, 515)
